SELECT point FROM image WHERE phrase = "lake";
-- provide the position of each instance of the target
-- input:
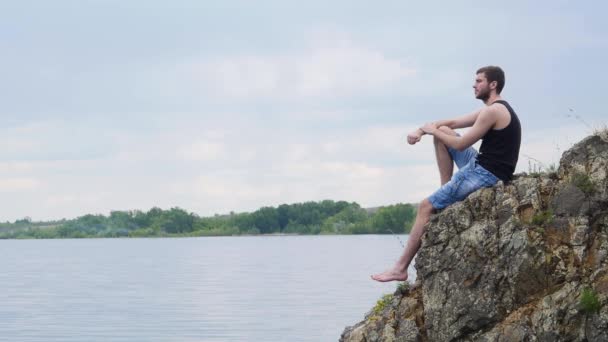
(253, 288)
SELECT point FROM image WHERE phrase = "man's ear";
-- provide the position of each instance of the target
(493, 84)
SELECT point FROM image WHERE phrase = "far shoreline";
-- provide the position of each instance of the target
(195, 236)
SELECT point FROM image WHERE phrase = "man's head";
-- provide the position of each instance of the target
(489, 80)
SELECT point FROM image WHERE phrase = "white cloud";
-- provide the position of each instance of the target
(379, 144)
(336, 69)
(210, 194)
(54, 140)
(14, 145)
(16, 167)
(202, 151)
(63, 200)
(18, 184)
(341, 168)
(290, 183)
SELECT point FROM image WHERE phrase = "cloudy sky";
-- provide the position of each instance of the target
(219, 106)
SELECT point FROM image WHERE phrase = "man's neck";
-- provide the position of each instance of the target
(493, 98)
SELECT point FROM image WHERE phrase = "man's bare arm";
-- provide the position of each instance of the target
(486, 119)
(461, 121)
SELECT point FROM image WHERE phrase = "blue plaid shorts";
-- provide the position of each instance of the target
(469, 178)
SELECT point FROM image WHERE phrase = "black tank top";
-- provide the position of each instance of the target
(500, 148)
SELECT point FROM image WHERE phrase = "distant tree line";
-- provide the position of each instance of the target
(325, 217)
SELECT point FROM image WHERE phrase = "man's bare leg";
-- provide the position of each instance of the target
(444, 159)
(446, 168)
(399, 271)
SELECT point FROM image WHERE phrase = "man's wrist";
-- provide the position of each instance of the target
(419, 130)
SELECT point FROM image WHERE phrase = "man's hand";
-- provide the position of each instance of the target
(429, 128)
(415, 136)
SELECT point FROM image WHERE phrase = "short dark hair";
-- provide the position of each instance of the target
(494, 73)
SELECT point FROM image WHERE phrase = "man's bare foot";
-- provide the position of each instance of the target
(391, 275)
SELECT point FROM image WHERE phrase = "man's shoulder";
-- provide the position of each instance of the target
(496, 107)
(490, 112)
(494, 111)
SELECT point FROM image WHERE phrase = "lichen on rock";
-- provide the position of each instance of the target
(511, 262)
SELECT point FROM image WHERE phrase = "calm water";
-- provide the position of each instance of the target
(273, 288)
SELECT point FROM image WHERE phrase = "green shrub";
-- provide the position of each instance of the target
(589, 301)
(542, 218)
(583, 182)
(538, 169)
(602, 132)
(403, 287)
(382, 303)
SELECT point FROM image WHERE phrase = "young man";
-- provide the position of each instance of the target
(499, 129)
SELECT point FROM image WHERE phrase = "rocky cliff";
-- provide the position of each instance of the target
(521, 262)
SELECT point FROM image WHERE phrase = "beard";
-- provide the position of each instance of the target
(483, 94)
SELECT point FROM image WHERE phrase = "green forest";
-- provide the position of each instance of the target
(325, 217)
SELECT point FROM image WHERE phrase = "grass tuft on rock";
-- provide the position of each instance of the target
(602, 132)
(543, 218)
(382, 303)
(403, 287)
(589, 301)
(583, 182)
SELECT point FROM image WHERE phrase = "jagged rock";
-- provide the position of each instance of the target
(569, 201)
(511, 263)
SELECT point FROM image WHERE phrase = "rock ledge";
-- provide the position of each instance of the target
(521, 262)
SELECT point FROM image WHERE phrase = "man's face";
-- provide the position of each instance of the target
(482, 87)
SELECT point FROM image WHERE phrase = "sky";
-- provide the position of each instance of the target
(229, 106)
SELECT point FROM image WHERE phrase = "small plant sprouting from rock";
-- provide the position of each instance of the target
(533, 169)
(589, 301)
(602, 132)
(543, 218)
(583, 182)
(403, 287)
(552, 170)
(536, 168)
(382, 303)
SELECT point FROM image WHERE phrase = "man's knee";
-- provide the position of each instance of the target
(426, 207)
(447, 130)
